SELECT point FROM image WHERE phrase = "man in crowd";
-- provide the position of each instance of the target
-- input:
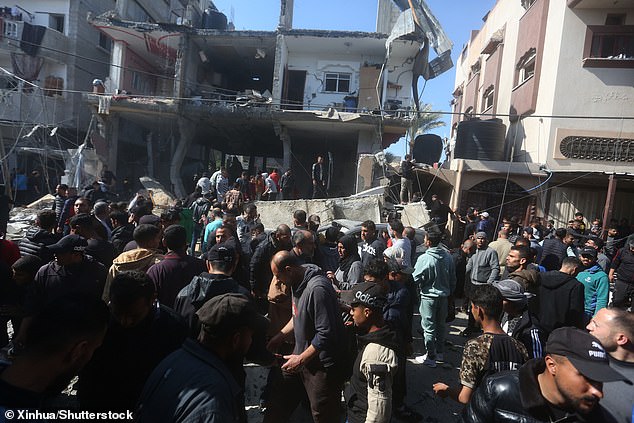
(517, 321)
(562, 297)
(59, 340)
(319, 176)
(299, 220)
(61, 192)
(485, 225)
(622, 274)
(176, 269)
(615, 329)
(200, 208)
(565, 385)
(369, 395)
(602, 260)
(400, 241)
(287, 185)
(502, 246)
(148, 239)
(489, 353)
(595, 282)
(373, 246)
(319, 359)
(71, 271)
(203, 381)
(554, 250)
(245, 226)
(141, 334)
(204, 183)
(67, 212)
(484, 266)
(122, 230)
(101, 211)
(98, 247)
(37, 238)
(439, 212)
(407, 179)
(435, 274)
(517, 264)
(304, 246)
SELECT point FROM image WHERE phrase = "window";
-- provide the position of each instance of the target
(10, 29)
(105, 42)
(609, 46)
(599, 149)
(56, 22)
(487, 97)
(338, 82)
(139, 83)
(526, 66)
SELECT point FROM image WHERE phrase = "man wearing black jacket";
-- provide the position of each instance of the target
(373, 246)
(565, 385)
(319, 359)
(37, 238)
(562, 297)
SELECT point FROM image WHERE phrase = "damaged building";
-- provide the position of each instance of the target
(179, 93)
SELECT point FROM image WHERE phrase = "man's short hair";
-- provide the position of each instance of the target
(120, 217)
(397, 226)
(489, 299)
(332, 234)
(47, 219)
(409, 232)
(434, 238)
(623, 321)
(100, 207)
(561, 233)
(62, 321)
(259, 227)
(571, 262)
(597, 241)
(130, 286)
(299, 216)
(523, 252)
(523, 242)
(171, 215)
(578, 214)
(28, 263)
(63, 186)
(283, 229)
(300, 237)
(250, 207)
(369, 225)
(377, 268)
(145, 233)
(175, 237)
(82, 219)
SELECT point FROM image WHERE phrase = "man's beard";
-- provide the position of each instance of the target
(512, 269)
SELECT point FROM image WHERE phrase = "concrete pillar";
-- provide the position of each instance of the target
(281, 55)
(150, 155)
(180, 68)
(112, 132)
(116, 66)
(186, 130)
(286, 15)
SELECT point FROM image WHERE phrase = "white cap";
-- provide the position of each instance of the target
(485, 214)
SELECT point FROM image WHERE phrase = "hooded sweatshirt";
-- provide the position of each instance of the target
(530, 279)
(596, 288)
(562, 301)
(435, 273)
(369, 394)
(317, 319)
(138, 259)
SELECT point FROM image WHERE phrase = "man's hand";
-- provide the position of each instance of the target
(441, 389)
(293, 363)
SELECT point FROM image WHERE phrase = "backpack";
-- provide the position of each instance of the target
(200, 209)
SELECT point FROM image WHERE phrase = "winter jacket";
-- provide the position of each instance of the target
(101, 250)
(369, 394)
(173, 274)
(510, 397)
(317, 319)
(526, 329)
(260, 267)
(530, 279)
(35, 242)
(483, 266)
(138, 259)
(329, 257)
(623, 264)
(596, 288)
(395, 312)
(53, 281)
(201, 289)
(121, 236)
(435, 273)
(199, 209)
(553, 253)
(502, 247)
(191, 385)
(58, 205)
(372, 250)
(562, 301)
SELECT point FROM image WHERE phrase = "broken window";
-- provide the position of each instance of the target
(487, 97)
(56, 22)
(338, 82)
(526, 66)
(104, 42)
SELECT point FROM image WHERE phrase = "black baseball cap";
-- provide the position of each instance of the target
(222, 252)
(368, 294)
(69, 243)
(588, 251)
(585, 352)
(229, 311)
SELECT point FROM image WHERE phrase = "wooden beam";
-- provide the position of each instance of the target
(609, 203)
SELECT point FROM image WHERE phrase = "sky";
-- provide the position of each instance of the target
(457, 17)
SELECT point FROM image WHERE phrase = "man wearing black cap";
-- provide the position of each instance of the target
(595, 282)
(622, 274)
(203, 381)
(369, 395)
(221, 262)
(565, 385)
(71, 271)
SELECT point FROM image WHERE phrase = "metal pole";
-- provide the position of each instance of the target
(609, 203)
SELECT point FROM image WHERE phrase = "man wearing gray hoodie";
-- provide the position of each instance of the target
(435, 274)
(484, 266)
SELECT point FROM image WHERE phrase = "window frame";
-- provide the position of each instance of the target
(488, 96)
(594, 31)
(528, 60)
(338, 79)
(55, 19)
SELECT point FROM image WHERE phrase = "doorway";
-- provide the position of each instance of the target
(293, 98)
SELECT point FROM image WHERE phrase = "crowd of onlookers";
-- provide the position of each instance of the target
(156, 312)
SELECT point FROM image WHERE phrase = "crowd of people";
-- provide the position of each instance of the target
(156, 313)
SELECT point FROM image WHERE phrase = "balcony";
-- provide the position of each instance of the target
(609, 46)
(53, 42)
(33, 107)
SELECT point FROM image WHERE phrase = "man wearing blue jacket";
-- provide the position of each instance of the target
(595, 282)
(435, 274)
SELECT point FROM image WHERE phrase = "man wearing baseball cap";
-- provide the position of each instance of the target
(204, 380)
(369, 394)
(595, 282)
(71, 271)
(622, 274)
(565, 385)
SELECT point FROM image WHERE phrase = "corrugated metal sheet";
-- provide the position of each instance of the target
(565, 202)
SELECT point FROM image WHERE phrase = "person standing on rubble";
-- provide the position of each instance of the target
(407, 179)
(319, 177)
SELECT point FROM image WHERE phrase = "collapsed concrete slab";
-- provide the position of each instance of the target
(274, 213)
(415, 215)
(160, 196)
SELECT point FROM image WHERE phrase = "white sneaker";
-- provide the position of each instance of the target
(422, 359)
(440, 357)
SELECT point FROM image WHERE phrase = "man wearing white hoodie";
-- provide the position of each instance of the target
(435, 274)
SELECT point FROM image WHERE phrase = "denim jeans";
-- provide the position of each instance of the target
(433, 312)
